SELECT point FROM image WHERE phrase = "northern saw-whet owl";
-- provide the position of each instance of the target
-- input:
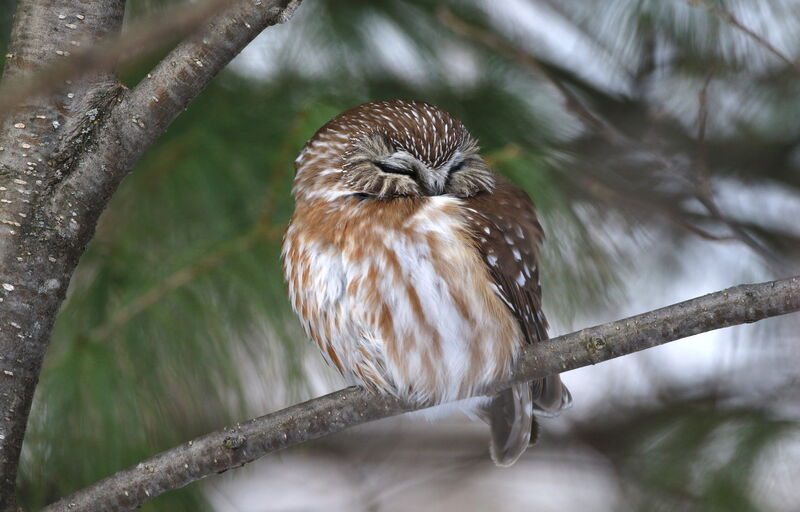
(413, 265)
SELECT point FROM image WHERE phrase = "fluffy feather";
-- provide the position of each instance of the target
(413, 266)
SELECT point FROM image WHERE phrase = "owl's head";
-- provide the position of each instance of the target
(391, 149)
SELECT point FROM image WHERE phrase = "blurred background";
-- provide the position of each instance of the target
(660, 140)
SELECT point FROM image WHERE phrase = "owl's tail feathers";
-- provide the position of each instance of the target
(511, 419)
(550, 396)
(511, 416)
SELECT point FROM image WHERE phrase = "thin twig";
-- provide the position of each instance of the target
(701, 154)
(527, 61)
(171, 283)
(570, 101)
(611, 134)
(728, 17)
(705, 194)
(283, 161)
(235, 446)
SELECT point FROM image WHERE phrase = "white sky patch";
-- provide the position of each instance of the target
(394, 50)
(547, 34)
(460, 67)
(767, 205)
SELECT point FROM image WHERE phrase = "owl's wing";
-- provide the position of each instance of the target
(508, 235)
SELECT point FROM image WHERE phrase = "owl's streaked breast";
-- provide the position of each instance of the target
(396, 295)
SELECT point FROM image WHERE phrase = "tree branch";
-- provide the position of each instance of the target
(233, 447)
(82, 58)
(144, 114)
(35, 268)
(65, 149)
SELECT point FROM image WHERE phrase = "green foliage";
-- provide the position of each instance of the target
(148, 348)
(7, 8)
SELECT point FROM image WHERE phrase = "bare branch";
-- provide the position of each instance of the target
(29, 255)
(172, 282)
(705, 194)
(82, 56)
(235, 446)
(64, 152)
(142, 116)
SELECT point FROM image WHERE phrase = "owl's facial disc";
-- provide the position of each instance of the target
(375, 168)
(466, 173)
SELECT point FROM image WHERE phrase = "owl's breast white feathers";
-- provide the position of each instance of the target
(397, 296)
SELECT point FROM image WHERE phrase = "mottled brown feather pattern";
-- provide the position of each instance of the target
(413, 266)
(508, 235)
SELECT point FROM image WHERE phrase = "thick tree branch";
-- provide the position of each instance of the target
(236, 446)
(83, 57)
(63, 152)
(34, 267)
(144, 114)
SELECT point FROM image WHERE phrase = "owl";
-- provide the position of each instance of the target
(413, 266)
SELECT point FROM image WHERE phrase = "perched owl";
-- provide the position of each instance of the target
(413, 266)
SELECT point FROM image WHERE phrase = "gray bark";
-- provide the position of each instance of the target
(40, 246)
(235, 446)
(64, 153)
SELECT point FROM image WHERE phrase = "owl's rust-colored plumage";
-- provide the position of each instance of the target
(414, 267)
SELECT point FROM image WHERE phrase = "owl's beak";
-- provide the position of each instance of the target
(432, 181)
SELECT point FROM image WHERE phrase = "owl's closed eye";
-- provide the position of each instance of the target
(380, 167)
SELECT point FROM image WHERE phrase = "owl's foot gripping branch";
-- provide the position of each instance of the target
(235, 446)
